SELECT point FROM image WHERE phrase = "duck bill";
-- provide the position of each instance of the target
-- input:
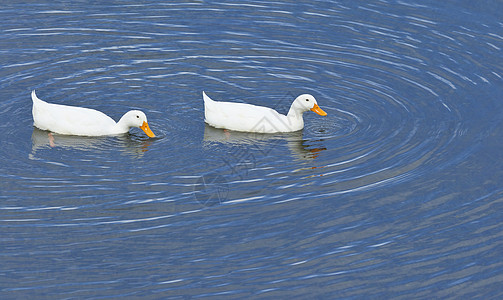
(318, 110)
(147, 130)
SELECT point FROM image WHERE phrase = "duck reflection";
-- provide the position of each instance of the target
(300, 149)
(129, 143)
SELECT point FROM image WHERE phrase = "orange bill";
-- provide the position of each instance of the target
(318, 110)
(147, 130)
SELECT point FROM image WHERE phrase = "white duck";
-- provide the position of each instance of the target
(72, 120)
(252, 118)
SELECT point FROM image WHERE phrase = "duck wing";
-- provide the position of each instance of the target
(73, 120)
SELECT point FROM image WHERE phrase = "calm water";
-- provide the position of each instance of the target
(398, 192)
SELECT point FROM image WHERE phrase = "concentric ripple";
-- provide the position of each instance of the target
(367, 200)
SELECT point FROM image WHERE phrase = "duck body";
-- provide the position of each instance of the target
(252, 118)
(73, 120)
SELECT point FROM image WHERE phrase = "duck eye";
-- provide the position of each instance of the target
(307, 100)
(137, 116)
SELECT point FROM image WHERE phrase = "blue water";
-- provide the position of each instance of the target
(396, 193)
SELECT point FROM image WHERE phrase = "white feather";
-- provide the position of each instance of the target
(252, 118)
(73, 120)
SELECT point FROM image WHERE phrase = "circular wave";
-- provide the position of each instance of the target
(409, 90)
(393, 107)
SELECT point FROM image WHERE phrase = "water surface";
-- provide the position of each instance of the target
(397, 192)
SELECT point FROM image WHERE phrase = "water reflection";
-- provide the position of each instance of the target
(300, 148)
(127, 143)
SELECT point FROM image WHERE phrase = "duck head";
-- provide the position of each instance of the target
(307, 102)
(136, 118)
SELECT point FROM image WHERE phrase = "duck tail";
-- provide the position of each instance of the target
(208, 106)
(34, 97)
(206, 98)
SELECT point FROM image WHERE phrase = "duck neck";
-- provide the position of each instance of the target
(294, 112)
(294, 117)
(122, 125)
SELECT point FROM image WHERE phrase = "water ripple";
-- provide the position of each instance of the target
(390, 187)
